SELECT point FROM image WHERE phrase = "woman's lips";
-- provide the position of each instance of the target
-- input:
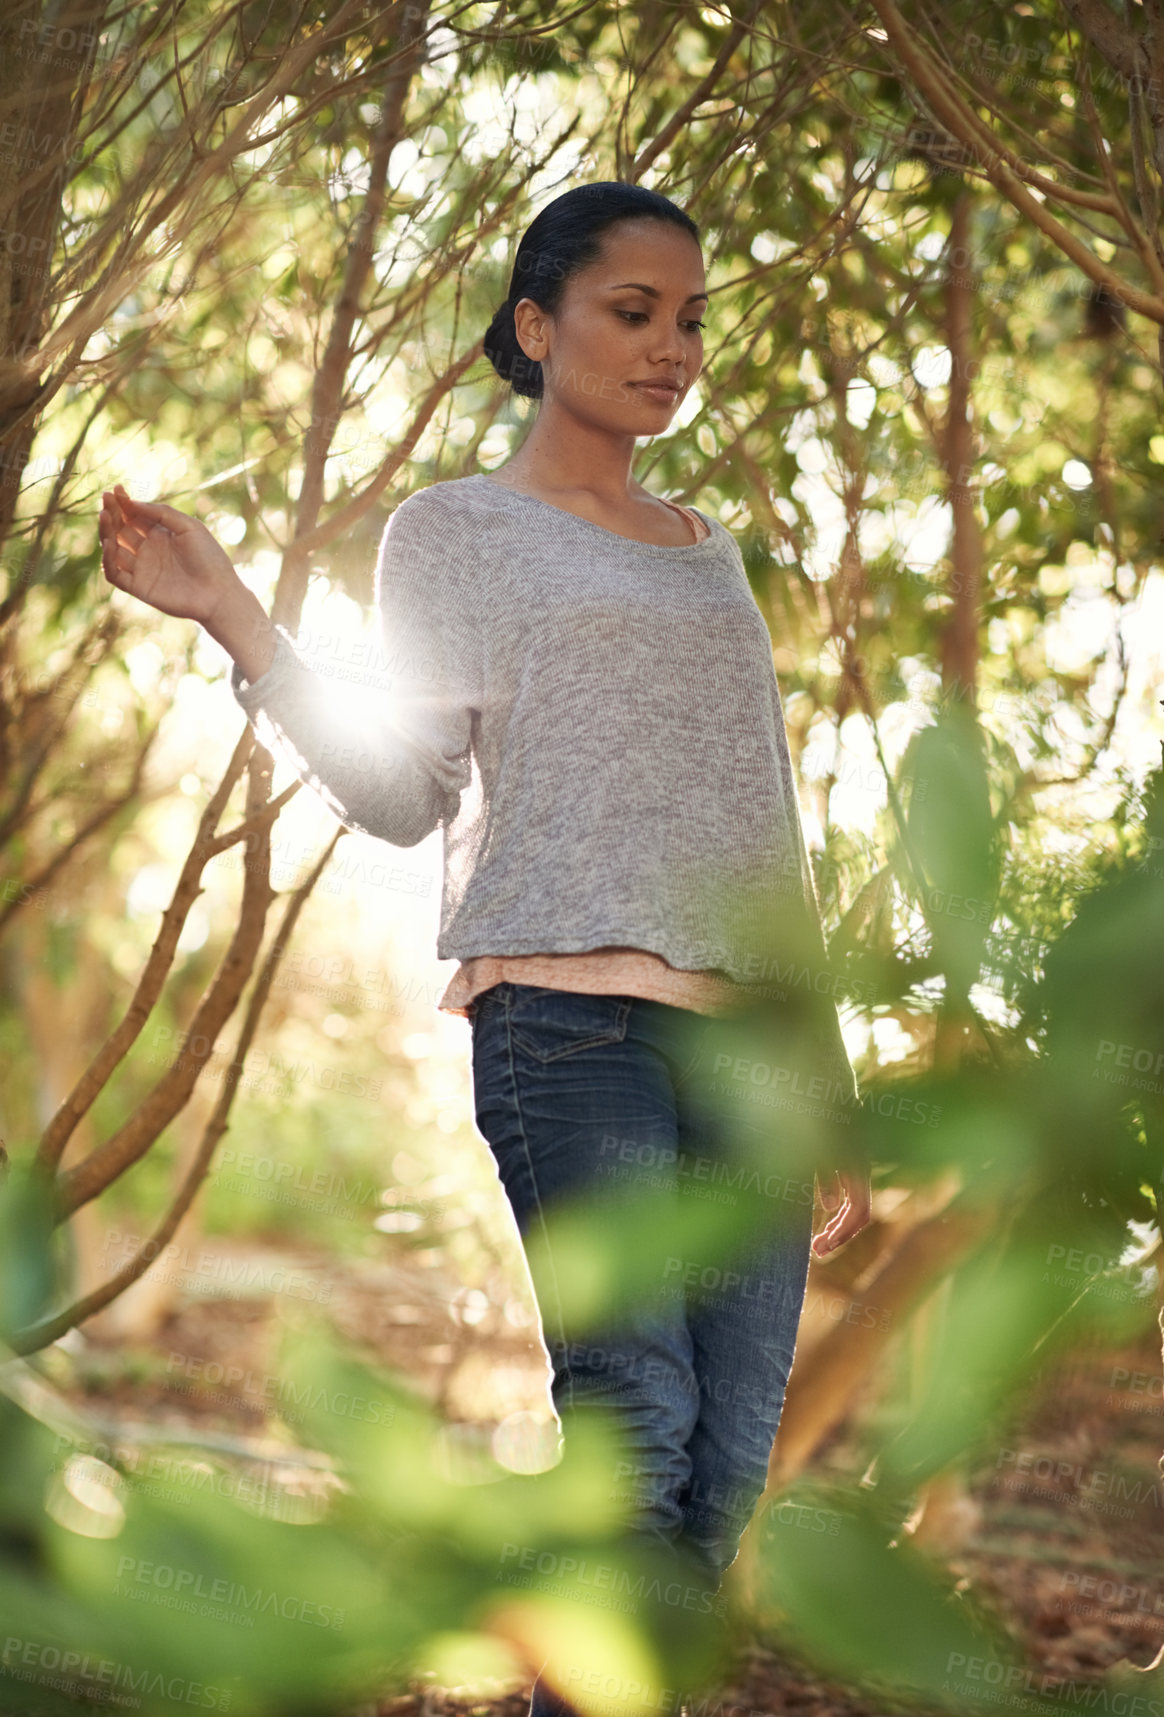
(657, 390)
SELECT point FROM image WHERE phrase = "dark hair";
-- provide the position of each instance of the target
(563, 238)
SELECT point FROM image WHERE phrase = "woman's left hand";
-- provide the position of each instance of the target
(847, 1194)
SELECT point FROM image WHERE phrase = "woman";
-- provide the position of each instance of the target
(584, 701)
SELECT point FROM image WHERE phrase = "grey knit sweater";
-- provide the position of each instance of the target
(593, 723)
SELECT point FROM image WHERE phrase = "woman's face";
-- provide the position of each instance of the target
(632, 317)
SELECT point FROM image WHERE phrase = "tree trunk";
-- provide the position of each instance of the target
(960, 642)
(45, 69)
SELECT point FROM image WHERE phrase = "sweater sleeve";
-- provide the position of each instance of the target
(387, 747)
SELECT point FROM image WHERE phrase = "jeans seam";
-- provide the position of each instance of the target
(541, 1215)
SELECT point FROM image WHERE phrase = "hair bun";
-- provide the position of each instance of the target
(501, 348)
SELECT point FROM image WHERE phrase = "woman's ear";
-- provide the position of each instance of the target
(529, 325)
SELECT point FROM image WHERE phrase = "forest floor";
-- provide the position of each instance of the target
(1061, 1535)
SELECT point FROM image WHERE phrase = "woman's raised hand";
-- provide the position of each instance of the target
(164, 557)
(172, 562)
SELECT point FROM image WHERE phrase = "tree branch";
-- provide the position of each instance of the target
(341, 521)
(52, 1328)
(328, 386)
(169, 1096)
(1118, 45)
(957, 118)
(40, 880)
(149, 987)
(681, 117)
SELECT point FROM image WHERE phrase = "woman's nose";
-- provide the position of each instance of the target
(669, 347)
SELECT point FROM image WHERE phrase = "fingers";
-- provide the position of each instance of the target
(842, 1227)
(121, 536)
(116, 572)
(152, 512)
(119, 542)
(109, 521)
(830, 1237)
(120, 547)
(848, 1189)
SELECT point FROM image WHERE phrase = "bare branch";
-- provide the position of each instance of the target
(169, 1096)
(1149, 252)
(327, 389)
(149, 987)
(40, 880)
(52, 1328)
(243, 831)
(960, 640)
(342, 520)
(647, 156)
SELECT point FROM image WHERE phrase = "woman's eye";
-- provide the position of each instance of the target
(640, 316)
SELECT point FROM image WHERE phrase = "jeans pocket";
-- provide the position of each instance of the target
(552, 1024)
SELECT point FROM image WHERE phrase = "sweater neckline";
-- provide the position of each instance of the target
(589, 525)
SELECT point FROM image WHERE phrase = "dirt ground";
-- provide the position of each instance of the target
(1062, 1535)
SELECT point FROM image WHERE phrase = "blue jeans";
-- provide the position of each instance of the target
(620, 1097)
